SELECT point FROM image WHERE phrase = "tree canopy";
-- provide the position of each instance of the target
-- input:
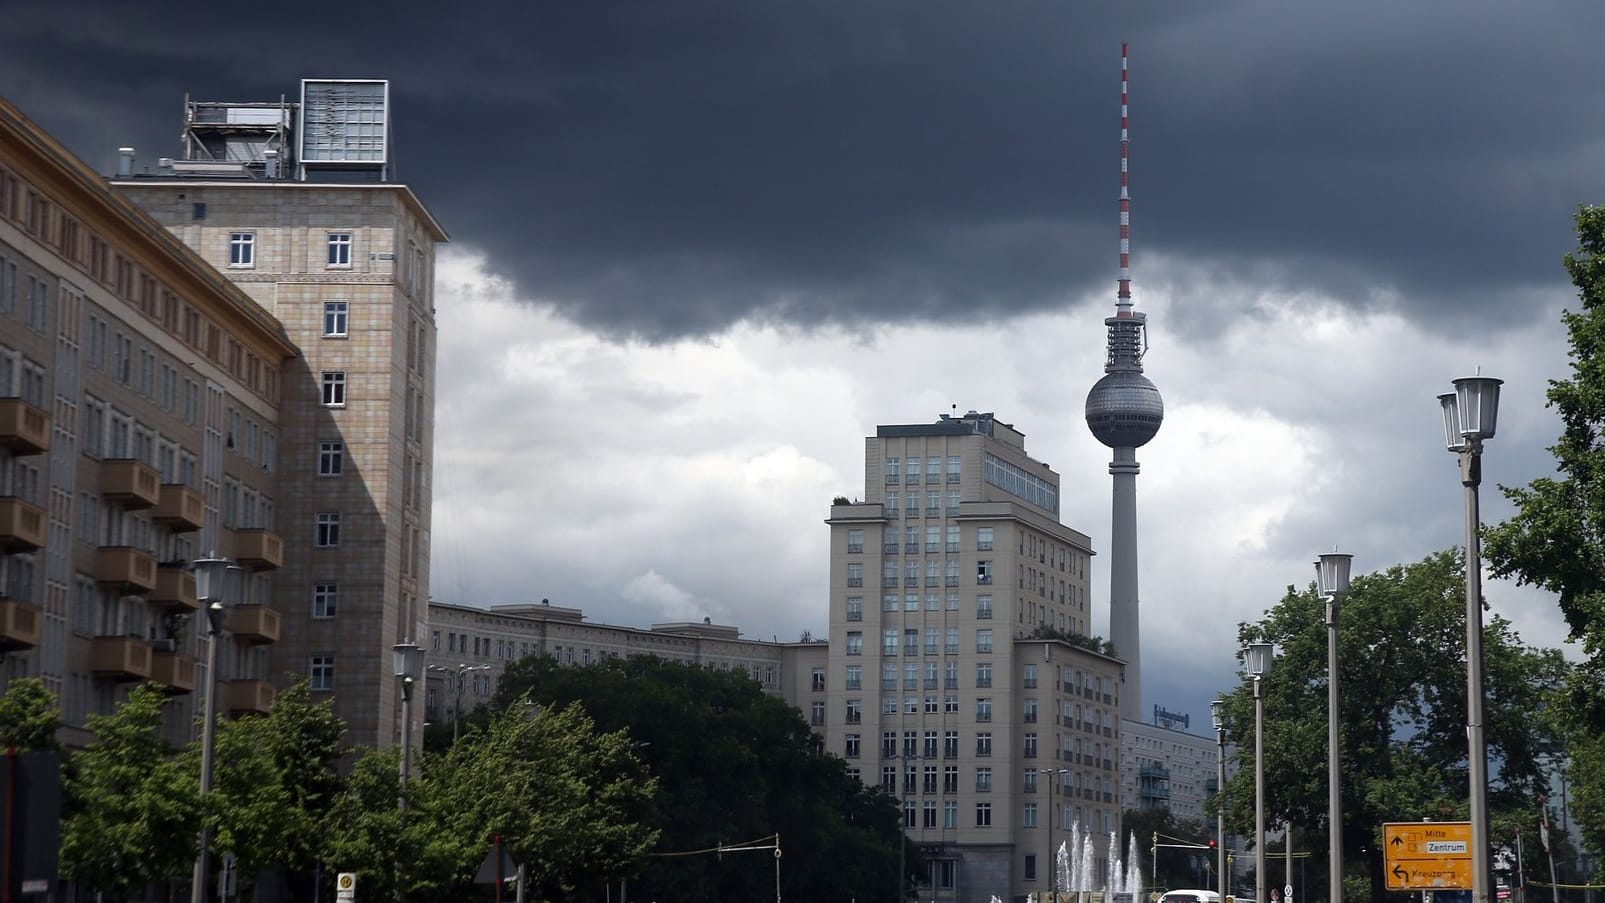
(735, 764)
(1556, 539)
(1402, 710)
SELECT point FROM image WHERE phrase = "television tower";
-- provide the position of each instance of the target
(1124, 411)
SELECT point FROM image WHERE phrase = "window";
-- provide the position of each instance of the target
(1030, 780)
(983, 674)
(1029, 746)
(324, 599)
(241, 249)
(889, 641)
(950, 748)
(855, 573)
(983, 568)
(891, 472)
(328, 530)
(944, 867)
(855, 608)
(953, 539)
(855, 677)
(983, 539)
(1029, 677)
(336, 318)
(983, 639)
(983, 780)
(983, 740)
(334, 388)
(951, 646)
(339, 249)
(953, 468)
(933, 637)
(819, 680)
(983, 815)
(855, 642)
(323, 672)
(816, 714)
(983, 606)
(1030, 713)
(889, 677)
(331, 458)
(855, 541)
(855, 711)
(851, 745)
(889, 778)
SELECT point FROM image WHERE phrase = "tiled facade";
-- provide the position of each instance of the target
(348, 270)
(935, 686)
(142, 416)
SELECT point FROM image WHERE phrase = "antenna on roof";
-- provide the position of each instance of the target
(1123, 296)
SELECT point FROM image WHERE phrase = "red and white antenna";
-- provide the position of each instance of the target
(1123, 297)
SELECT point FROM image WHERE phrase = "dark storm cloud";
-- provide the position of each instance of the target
(667, 169)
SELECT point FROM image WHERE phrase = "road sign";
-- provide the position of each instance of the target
(1427, 855)
(345, 886)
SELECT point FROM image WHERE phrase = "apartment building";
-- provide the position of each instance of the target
(1168, 768)
(952, 679)
(296, 205)
(142, 401)
(469, 648)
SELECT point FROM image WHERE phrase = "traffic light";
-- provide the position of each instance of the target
(1212, 843)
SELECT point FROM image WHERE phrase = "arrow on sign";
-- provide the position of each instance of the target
(1397, 840)
(1400, 873)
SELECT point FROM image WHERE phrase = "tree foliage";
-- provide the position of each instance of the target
(1402, 713)
(28, 716)
(735, 764)
(133, 812)
(1556, 539)
(1170, 867)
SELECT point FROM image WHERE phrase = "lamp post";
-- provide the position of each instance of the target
(408, 658)
(1258, 659)
(1332, 577)
(460, 671)
(211, 579)
(1217, 714)
(1053, 815)
(1470, 414)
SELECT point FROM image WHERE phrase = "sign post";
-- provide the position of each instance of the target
(1434, 855)
(345, 886)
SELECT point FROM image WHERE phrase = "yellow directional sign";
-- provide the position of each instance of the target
(1427, 855)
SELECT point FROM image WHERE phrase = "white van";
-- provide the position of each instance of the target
(1190, 896)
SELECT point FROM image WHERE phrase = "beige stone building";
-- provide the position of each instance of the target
(293, 203)
(142, 401)
(940, 686)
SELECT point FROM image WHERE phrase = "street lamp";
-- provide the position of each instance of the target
(460, 671)
(1053, 814)
(1258, 659)
(1217, 713)
(211, 587)
(1470, 413)
(1332, 577)
(409, 667)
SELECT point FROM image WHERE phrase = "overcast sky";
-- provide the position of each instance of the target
(700, 249)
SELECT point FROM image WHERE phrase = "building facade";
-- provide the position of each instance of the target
(142, 413)
(952, 680)
(1169, 768)
(294, 204)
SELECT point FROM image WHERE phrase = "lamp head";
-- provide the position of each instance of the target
(1478, 403)
(1332, 573)
(1257, 657)
(1217, 713)
(408, 660)
(211, 575)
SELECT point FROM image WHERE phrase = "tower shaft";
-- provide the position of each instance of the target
(1123, 620)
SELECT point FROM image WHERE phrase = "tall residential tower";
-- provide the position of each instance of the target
(1124, 411)
(296, 203)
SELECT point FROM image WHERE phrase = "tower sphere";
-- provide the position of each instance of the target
(1124, 409)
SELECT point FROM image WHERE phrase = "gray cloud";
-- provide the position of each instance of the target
(668, 170)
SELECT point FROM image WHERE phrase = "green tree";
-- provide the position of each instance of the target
(132, 808)
(1402, 710)
(736, 764)
(1178, 866)
(28, 716)
(1556, 539)
(273, 778)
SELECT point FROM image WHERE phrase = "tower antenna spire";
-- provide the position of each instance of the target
(1123, 296)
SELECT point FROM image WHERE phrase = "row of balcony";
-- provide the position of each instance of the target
(19, 629)
(24, 429)
(131, 659)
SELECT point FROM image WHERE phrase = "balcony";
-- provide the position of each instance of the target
(125, 567)
(180, 508)
(253, 623)
(258, 550)
(24, 429)
(22, 526)
(248, 696)
(176, 673)
(175, 589)
(133, 484)
(121, 658)
(19, 625)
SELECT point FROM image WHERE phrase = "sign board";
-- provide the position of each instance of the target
(345, 886)
(1427, 855)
